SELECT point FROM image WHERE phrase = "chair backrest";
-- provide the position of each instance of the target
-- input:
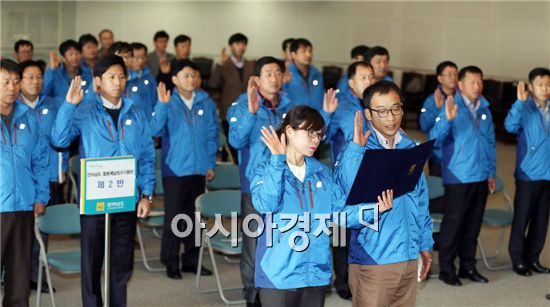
(227, 178)
(331, 76)
(435, 187)
(60, 219)
(159, 188)
(204, 65)
(221, 202)
(158, 159)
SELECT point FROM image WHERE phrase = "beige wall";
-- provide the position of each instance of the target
(505, 39)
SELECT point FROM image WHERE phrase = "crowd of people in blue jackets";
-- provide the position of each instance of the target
(121, 100)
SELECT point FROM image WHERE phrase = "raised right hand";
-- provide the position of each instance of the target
(75, 92)
(163, 94)
(522, 91)
(54, 61)
(253, 95)
(223, 56)
(359, 137)
(276, 145)
(451, 109)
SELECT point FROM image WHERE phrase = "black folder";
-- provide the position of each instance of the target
(382, 169)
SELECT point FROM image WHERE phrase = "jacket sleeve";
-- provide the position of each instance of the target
(49, 79)
(428, 115)
(158, 121)
(212, 136)
(512, 123)
(146, 163)
(424, 218)
(491, 146)
(347, 165)
(65, 127)
(241, 123)
(39, 164)
(267, 185)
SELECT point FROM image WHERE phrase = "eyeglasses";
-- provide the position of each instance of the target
(321, 136)
(395, 111)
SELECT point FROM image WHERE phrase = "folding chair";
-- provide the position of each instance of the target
(501, 218)
(154, 221)
(435, 190)
(223, 203)
(59, 219)
(227, 178)
(74, 170)
(224, 146)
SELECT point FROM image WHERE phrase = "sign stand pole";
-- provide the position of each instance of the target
(107, 258)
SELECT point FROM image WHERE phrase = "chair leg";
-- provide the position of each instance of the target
(486, 259)
(199, 267)
(157, 233)
(43, 263)
(142, 250)
(218, 280)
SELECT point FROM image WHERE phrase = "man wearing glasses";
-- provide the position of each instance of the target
(383, 264)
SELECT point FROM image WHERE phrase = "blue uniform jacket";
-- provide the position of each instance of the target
(525, 120)
(189, 137)
(23, 164)
(342, 123)
(276, 190)
(46, 111)
(467, 143)
(309, 92)
(100, 137)
(428, 114)
(57, 82)
(244, 133)
(142, 88)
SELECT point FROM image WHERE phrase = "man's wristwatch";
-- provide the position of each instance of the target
(148, 197)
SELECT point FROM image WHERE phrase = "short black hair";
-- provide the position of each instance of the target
(360, 50)
(374, 51)
(137, 46)
(22, 42)
(538, 72)
(287, 42)
(104, 31)
(182, 38)
(68, 44)
(31, 63)
(261, 62)
(105, 62)
(469, 69)
(381, 87)
(10, 66)
(237, 38)
(161, 34)
(302, 117)
(441, 67)
(352, 69)
(87, 38)
(299, 42)
(120, 47)
(179, 65)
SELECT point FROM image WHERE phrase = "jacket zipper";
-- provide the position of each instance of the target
(110, 131)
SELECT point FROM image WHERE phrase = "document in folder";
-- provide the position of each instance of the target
(382, 169)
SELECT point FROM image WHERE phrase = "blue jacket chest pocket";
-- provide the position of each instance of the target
(22, 135)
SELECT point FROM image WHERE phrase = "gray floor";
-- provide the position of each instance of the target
(154, 289)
